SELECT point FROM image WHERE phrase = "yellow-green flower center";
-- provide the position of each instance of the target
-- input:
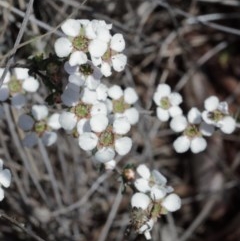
(81, 110)
(15, 86)
(106, 138)
(165, 103)
(119, 106)
(192, 131)
(40, 127)
(216, 115)
(86, 69)
(80, 43)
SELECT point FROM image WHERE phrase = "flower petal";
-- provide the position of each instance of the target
(130, 95)
(142, 185)
(49, 138)
(88, 141)
(211, 103)
(105, 154)
(117, 42)
(71, 27)
(121, 126)
(140, 200)
(162, 114)
(67, 120)
(228, 125)
(143, 171)
(99, 122)
(178, 123)
(63, 47)
(198, 144)
(30, 85)
(194, 116)
(119, 62)
(78, 58)
(181, 144)
(5, 178)
(97, 48)
(39, 112)
(132, 115)
(123, 145)
(26, 122)
(172, 202)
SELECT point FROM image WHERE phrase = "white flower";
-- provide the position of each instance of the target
(167, 102)
(39, 125)
(216, 114)
(84, 75)
(5, 179)
(193, 131)
(105, 50)
(121, 103)
(172, 202)
(104, 144)
(75, 44)
(16, 86)
(153, 182)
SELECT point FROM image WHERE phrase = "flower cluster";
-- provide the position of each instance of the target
(91, 40)
(152, 199)
(196, 125)
(100, 118)
(5, 179)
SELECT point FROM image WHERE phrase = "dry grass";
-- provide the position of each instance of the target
(58, 193)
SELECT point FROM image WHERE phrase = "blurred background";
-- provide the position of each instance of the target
(60, 194)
